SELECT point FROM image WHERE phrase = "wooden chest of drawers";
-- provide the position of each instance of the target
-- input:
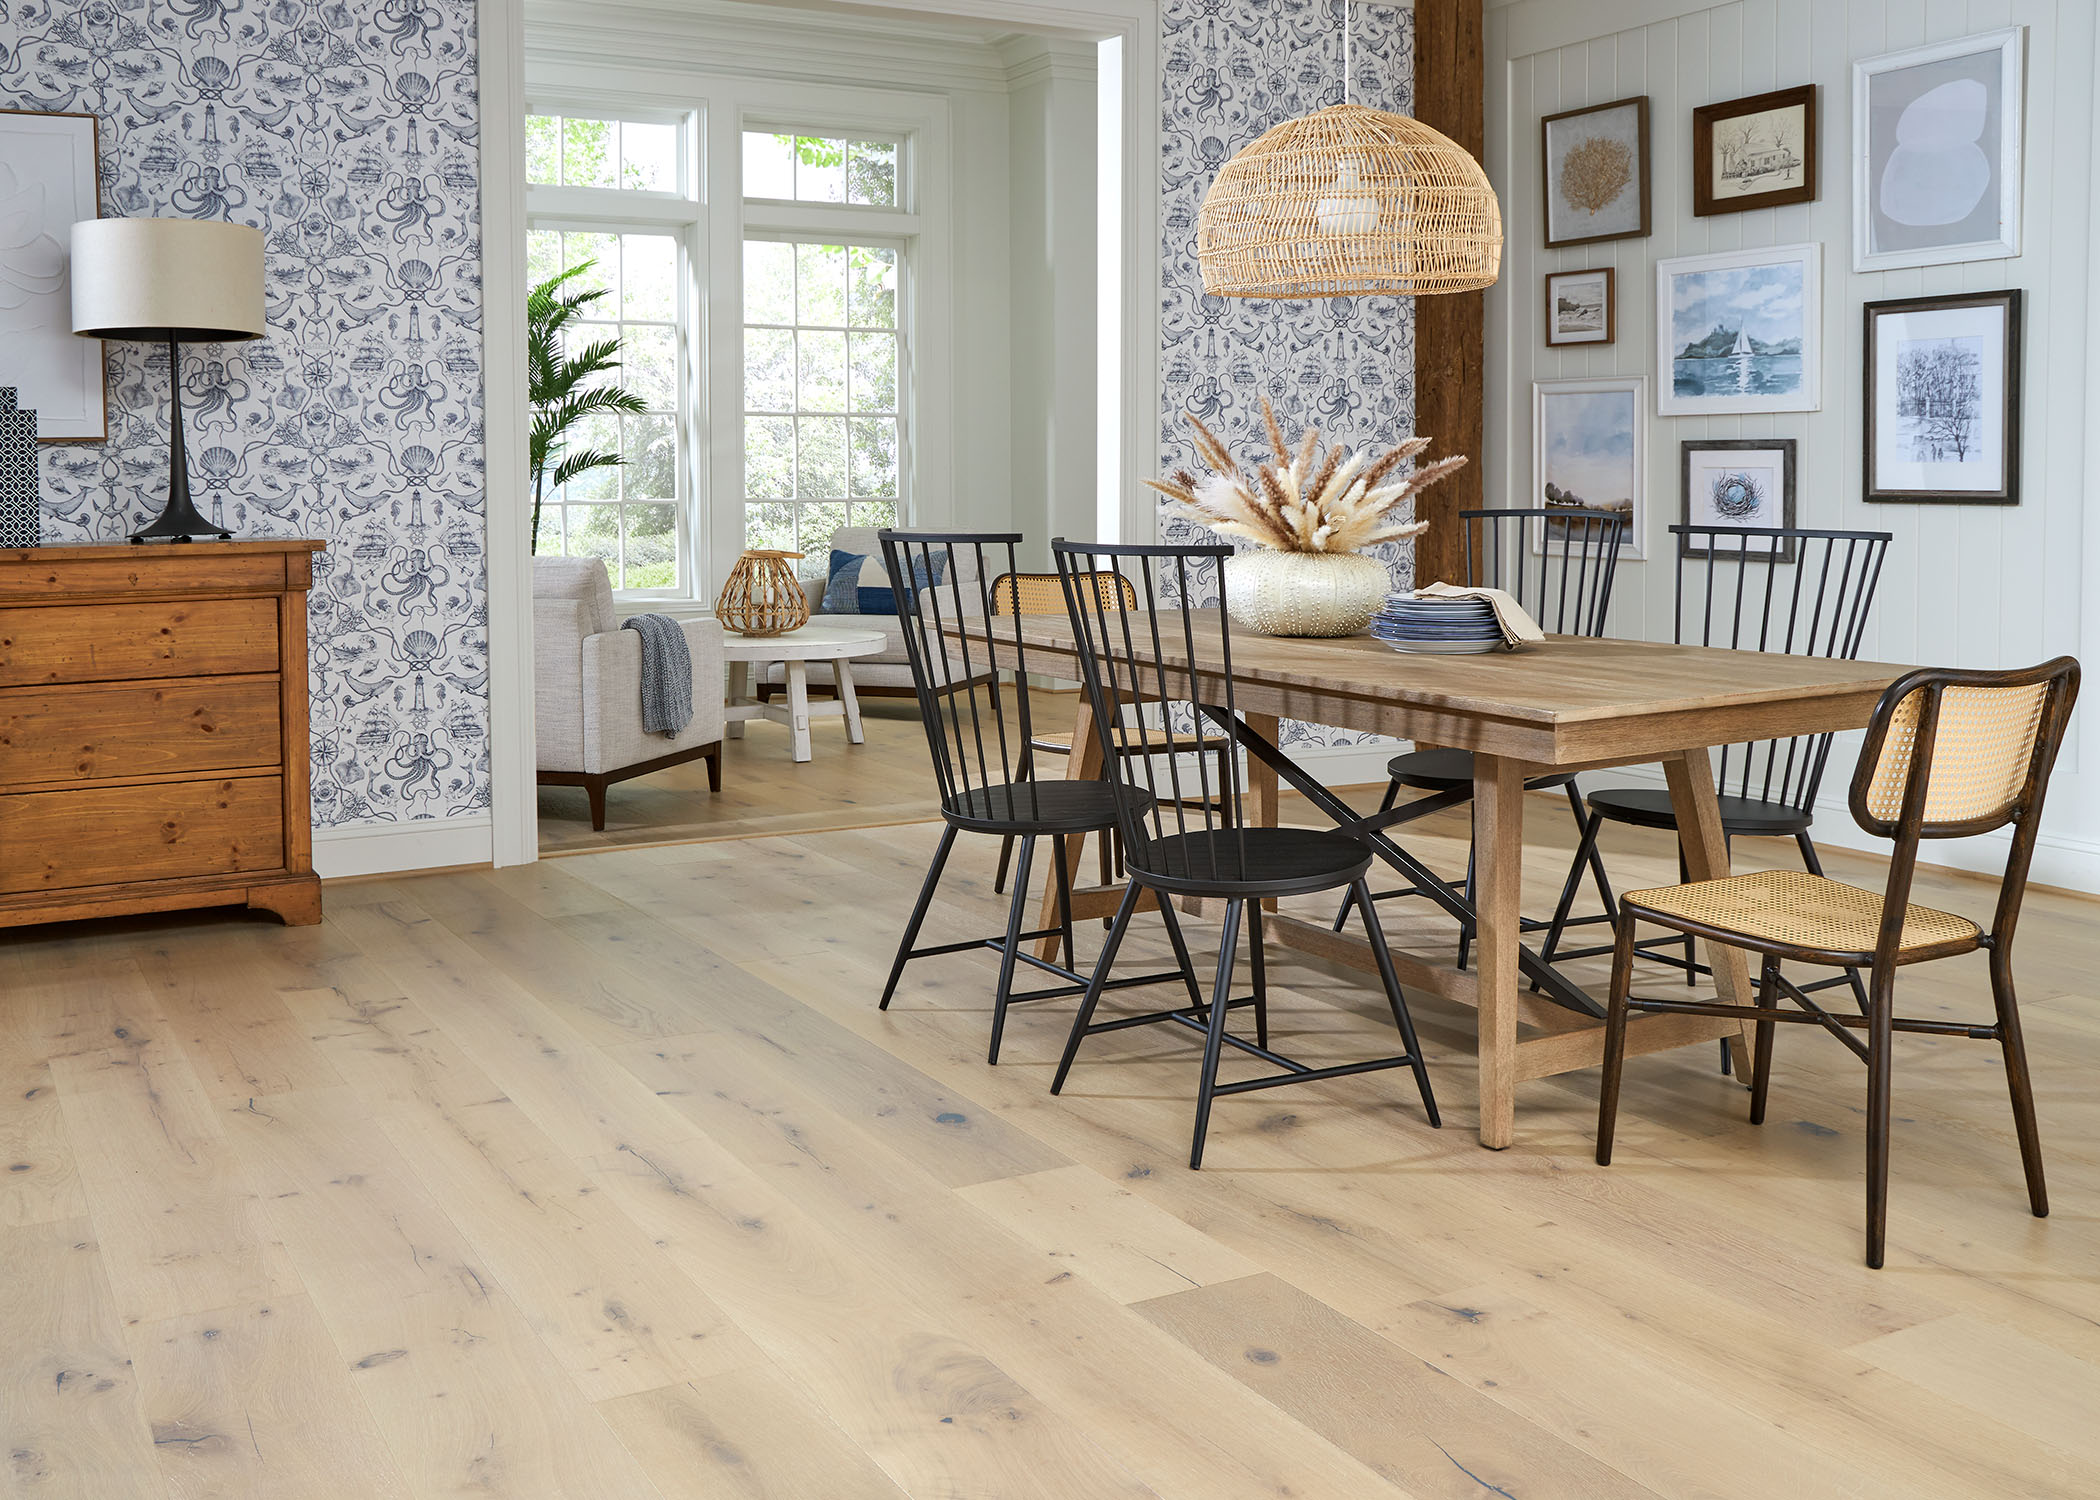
(153, 732)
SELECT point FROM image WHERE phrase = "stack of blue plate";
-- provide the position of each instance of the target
(1449, 627)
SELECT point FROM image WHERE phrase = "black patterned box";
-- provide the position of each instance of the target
(18, 481)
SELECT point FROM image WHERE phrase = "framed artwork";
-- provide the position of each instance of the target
(1746, 482)
(1758, 152)
(1943, 399)
(1589, 445)
(1582, 307)
(1594, 164)
(1740, 332)
(47, 185)
(1936, 152)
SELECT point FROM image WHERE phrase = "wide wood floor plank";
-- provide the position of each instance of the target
(255, 1403)
(747, 1436)
(469, 1400)
(69, 1401)
(1997, 1373)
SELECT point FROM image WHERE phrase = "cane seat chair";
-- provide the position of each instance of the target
(1044, 594)
(1142, 647)
(978, 730)
(1948, 754)
(1746, 602)
(1559, 565)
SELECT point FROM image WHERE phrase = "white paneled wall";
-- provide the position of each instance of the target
(1965, 585)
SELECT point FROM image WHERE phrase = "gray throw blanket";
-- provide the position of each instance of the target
(667, 674)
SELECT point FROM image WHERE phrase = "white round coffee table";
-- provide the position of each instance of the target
(837, 644)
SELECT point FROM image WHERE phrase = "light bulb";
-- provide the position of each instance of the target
(1349, 209)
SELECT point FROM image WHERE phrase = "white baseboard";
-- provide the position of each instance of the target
(1349, 765)
(390, 848)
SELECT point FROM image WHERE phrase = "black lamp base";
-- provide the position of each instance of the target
(178, 520)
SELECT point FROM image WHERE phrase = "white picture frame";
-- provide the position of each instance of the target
(1589, 437)
(1908, 196)
(1723, 324)
(48, 183)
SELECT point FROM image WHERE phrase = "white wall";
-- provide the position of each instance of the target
(1971, 586)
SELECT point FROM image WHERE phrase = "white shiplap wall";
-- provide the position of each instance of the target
(1965, 585)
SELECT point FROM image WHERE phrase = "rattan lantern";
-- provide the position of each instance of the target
(1348, 201)
(762, 595)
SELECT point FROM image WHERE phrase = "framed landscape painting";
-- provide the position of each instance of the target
(1936, 152)
(1758, 152)
(47, 185)
(1943, 399)
(1594, 164)
(1581, 307)
(1740, 332)
(1738, 482)
(1589, 445)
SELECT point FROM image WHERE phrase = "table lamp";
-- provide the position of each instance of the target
(172, 281)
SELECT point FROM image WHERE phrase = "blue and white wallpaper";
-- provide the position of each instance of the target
(348, 132)
(1233, 68)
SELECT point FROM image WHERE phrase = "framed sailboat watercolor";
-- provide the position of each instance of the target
(1739, 332)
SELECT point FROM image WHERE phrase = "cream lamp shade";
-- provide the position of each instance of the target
(194, 280)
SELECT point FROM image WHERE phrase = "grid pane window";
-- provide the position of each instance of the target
(632, 154)
(821, 393)
(820, 168)
(626, 514)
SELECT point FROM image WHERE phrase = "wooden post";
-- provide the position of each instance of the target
(1450, 331)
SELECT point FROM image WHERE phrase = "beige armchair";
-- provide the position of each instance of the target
(587, 687)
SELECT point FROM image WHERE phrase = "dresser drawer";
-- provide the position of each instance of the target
(118, 835)
(96, 731)
(114, 642)
(56, 573)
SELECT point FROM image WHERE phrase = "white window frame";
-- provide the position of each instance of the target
(683, 215)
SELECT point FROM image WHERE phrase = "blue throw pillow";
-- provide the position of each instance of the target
(849, 590)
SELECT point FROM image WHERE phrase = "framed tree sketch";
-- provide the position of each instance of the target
(1589, 446)
(1758, 152)
(1740, 332)
(1594, 165)
(1582, 307)
(1739, 482)
(47, 185)
(1936, 152)
(1943, 399)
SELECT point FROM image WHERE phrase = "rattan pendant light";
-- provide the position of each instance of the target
(1347, 201)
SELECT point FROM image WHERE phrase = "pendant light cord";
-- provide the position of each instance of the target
(1348, 58)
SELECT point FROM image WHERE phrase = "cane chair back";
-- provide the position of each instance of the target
(977, 721)
(1979, 767)
(1044, 593)
(1558, 564)
(1791, 590)
(1140, 644)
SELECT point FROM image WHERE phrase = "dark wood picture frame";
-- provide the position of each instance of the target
(1639, 104)
(2013, 301)
(1611, 308)
(1706, 116)
(94, 123)
(1685, 449)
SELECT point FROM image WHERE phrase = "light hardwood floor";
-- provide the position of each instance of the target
(605, 1177)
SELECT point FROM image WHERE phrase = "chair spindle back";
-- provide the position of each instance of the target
(1558, 564)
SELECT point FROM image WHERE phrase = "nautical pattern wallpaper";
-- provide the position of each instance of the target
(1233, 69)
(348, 132)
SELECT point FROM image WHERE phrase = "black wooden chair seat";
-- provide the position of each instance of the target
(1039, 807)
(1250, 861)
(1649, 807)
(1451, 771)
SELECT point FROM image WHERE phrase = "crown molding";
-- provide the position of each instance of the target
(1036, 59)
(761, 41)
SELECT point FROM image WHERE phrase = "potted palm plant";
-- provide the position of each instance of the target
(561, 385)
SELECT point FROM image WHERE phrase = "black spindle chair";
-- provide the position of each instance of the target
(1744, 599)
(1190, 839)
(1560, 565)
(978, 728)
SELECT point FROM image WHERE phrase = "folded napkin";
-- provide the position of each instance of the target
(1517, 625)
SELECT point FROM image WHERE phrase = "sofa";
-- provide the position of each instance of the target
(887, 674)
(587, 687)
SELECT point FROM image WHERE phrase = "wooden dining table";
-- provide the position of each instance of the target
(1566, 704)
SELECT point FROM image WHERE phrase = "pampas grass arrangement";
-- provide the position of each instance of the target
(1301, 501)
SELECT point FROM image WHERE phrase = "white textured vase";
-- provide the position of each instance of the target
(1304, 593)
